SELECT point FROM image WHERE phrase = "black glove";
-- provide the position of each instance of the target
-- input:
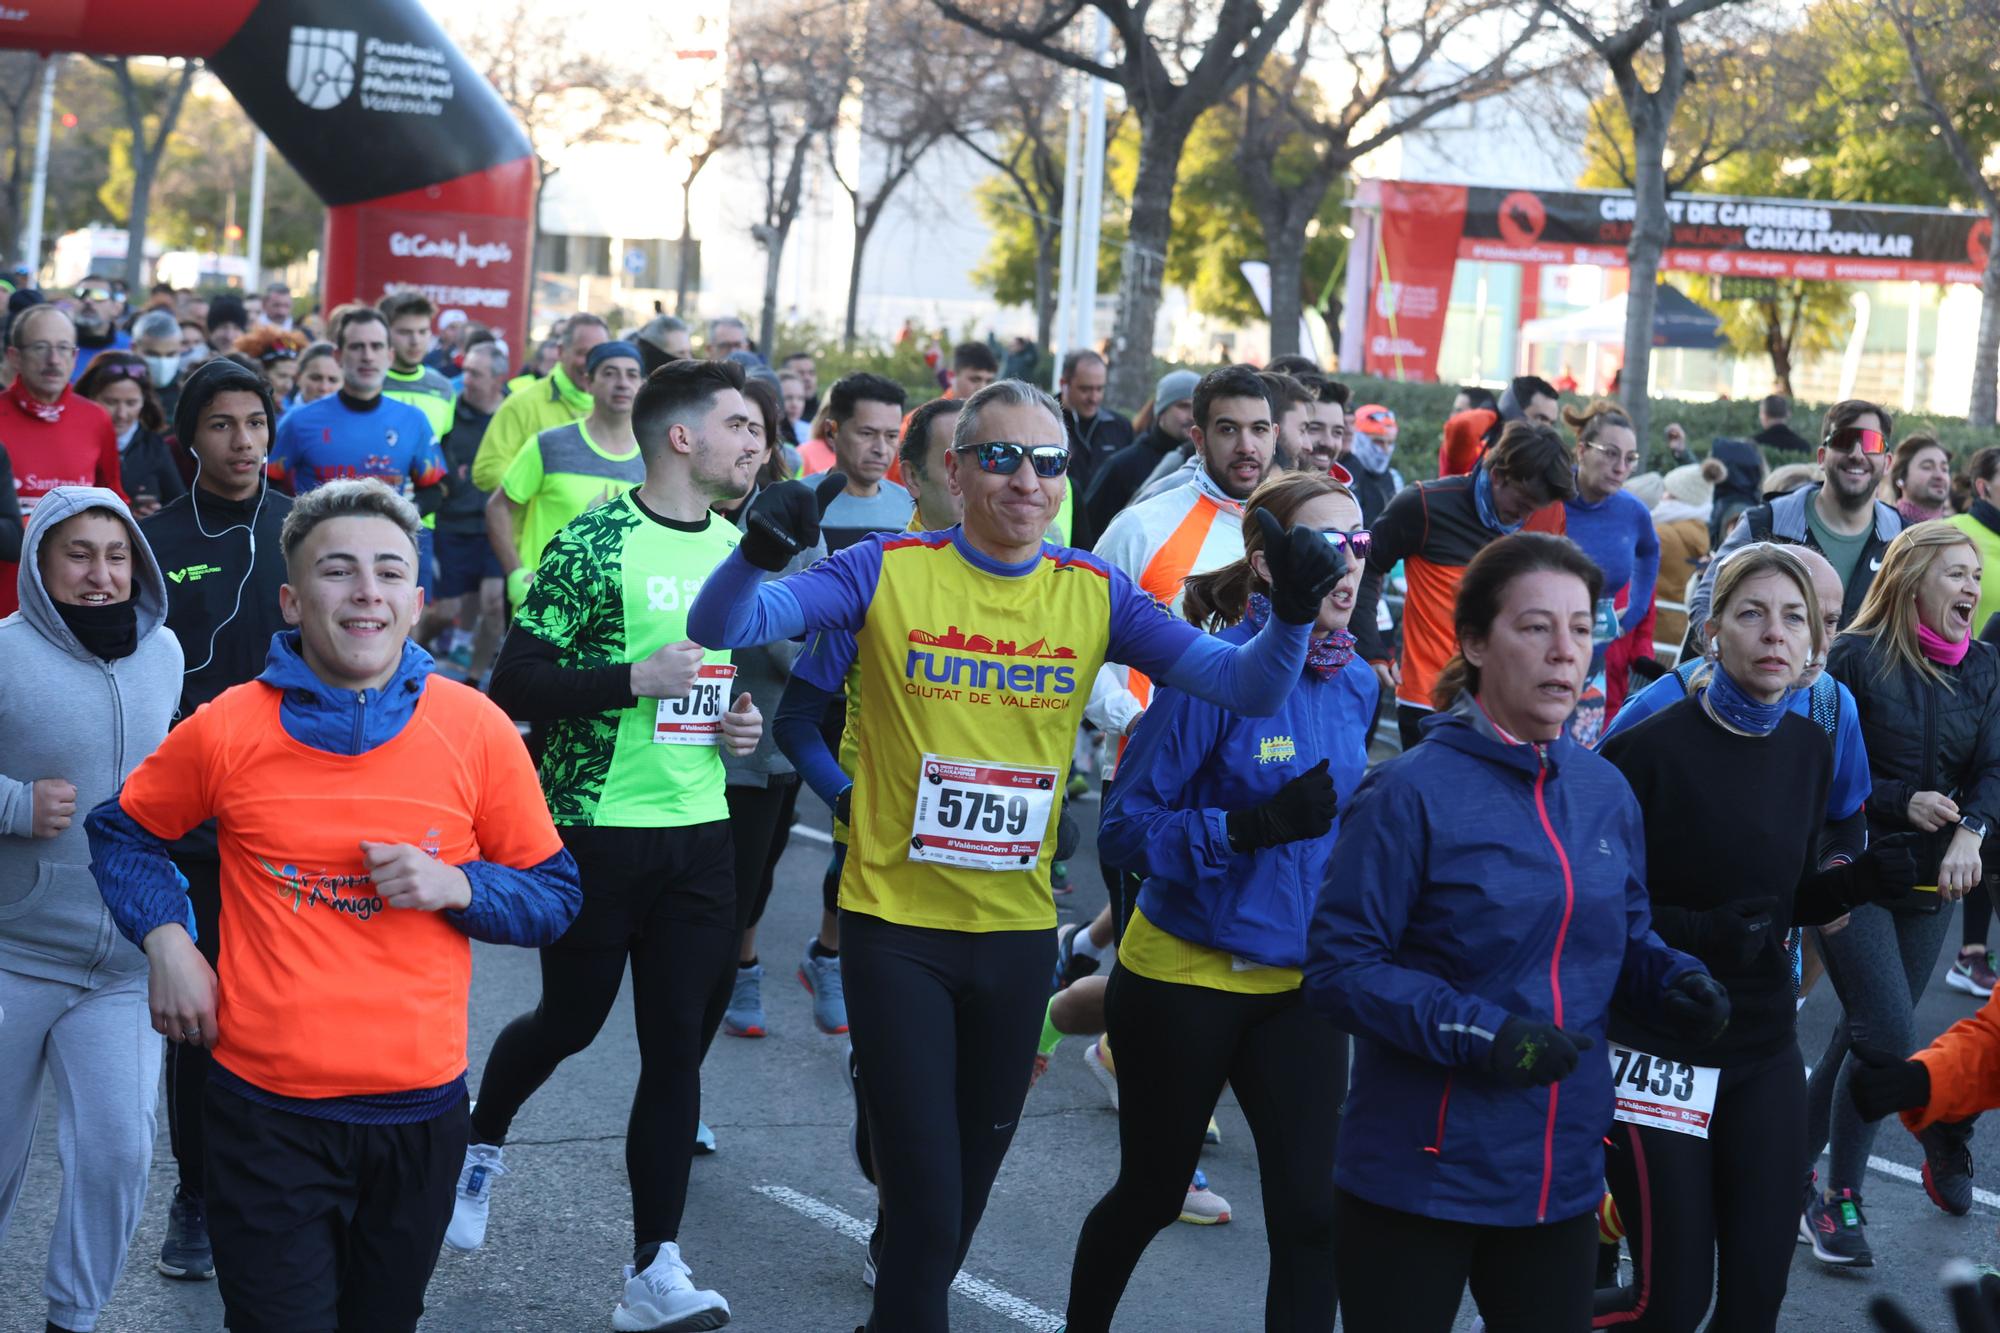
(1882, 1085)
(784, 519)
(1301, 809)
(1529, 1053)
(1696, 1008)
(843, 805)
(1068, 833)
(1731, 936)
(1304, 568)
(1888, 870)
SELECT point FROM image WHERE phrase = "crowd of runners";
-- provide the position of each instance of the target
(1480, 834)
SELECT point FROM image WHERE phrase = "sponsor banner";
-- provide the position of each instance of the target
(1726, 236)
(1411, 290)
(470, 262)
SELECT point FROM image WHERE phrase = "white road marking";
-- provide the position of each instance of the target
(1916, 1177)
(815, 835)
(973, 1289)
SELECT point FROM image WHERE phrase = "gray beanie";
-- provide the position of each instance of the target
(1175, 386)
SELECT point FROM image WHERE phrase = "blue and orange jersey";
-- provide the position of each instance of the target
(960, 658)
(329, 440)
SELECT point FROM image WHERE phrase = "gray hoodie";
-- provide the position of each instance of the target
(67, 714)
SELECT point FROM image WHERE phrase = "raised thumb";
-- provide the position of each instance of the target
(743, 703)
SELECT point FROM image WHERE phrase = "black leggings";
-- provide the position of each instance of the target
(944, 1025)
(1121, 886)
(1409, 724)
(760, 823)
(1729, 1202)
(188, 1062)
(1176, 1046)
(1405, 1273)
(1978, 914)
(666, 899)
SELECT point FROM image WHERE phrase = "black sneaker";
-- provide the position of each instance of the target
(857, 1129)
(874, 1255)
(1805, 1208)
(186, 1255)
(1839, 1231)
(1948, 1166)
(1071, 966)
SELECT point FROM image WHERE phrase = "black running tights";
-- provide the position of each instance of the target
(944, 1025)
(665, 898)
(1176, 1046)
(187, 1063)
(1715, 1217)
(760, 822)
(1404, 1273)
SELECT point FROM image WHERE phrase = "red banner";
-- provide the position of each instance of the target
(1411, 291)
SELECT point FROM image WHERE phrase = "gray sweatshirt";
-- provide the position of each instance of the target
(67, 714)
(763, 671)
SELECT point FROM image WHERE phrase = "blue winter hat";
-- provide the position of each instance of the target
(604, 351)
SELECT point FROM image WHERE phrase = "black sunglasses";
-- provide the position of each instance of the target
(1003, 459)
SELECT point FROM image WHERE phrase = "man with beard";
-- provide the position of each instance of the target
(1840, 517)
(99, 305)
(1920, 479)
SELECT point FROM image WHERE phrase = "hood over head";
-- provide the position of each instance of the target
(149, 586)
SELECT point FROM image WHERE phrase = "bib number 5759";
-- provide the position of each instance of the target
(982, 811)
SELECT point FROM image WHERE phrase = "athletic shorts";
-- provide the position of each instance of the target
(463, 560)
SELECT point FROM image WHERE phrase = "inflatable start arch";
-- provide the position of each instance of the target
(428, 179)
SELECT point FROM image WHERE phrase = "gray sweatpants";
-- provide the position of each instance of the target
(1879, 966)
(101, 1048)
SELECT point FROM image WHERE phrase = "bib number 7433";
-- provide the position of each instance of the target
(1664, 1094)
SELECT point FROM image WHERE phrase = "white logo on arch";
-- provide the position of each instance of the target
(320, 66)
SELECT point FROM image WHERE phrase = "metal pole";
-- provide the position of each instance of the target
(1066, 279)
(254, 236)
(31, 240)
(1083, 308)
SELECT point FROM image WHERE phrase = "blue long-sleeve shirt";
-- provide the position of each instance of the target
(1617, 534)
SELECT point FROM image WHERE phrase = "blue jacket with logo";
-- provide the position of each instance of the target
(1188, 765)
(1472, 880)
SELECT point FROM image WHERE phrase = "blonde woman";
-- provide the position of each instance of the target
(1928, 694)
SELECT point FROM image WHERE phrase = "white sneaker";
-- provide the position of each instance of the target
(475, 1195)
(663, 1299)
(1106, 1073)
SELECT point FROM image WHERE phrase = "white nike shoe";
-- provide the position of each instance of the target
(475, 1195)
(664, 1300)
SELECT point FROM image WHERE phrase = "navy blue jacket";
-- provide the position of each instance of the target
(1474, 880)
(1189, 764)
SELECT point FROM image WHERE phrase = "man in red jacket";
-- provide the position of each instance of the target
(52, 437)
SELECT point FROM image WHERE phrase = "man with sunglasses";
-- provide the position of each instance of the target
(1839, 517)
(975, 647)
(99, 305)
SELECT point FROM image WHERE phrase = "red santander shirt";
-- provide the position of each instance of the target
(65, 443)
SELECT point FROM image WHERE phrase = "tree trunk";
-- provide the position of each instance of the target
(774, 256)
(1651, 230)
(684, 267)
(1151, 228)
(1986, 359)
(143, 166)
(16, 170)
(862, 231)
(1285, 253)
(1045, 300)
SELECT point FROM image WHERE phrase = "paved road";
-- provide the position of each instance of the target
(772, 1218)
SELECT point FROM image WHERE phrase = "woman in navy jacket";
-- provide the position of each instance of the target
(1484, 903)
(1231, 819)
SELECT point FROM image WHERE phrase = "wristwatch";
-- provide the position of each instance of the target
(1976, 826)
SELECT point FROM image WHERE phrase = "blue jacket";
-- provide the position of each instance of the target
(1189, 764)
(1474, 880)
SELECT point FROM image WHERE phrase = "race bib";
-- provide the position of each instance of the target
(979, 815)
(1662, 1094)
(696, 718)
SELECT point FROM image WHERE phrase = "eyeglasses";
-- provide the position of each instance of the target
(1615, 455)
(1849, 437)
(1003, 459)
(122, 370)
(1356, 543)
(46, 351)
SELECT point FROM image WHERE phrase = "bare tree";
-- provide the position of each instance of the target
(789, 73)
(697, 128)
(1017, 129)
(1935, 39)
(20, 81)
(1622, 34)
(161, 103)
(1296, 147)
(1174, 62)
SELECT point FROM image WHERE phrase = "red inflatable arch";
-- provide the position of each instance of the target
(428, 179)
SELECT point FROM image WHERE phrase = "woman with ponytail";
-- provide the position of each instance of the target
(1616, 531)
(1929, 698)
(1230, 820)
(1488, 903)
(1711, 1139)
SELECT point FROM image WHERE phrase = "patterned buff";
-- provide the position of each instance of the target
(1325, 656)
(35, 407)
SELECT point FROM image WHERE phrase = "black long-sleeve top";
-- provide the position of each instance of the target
(1731, 818)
